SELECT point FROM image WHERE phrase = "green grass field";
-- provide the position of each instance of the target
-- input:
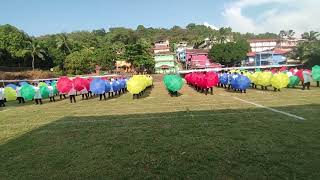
(192, 136)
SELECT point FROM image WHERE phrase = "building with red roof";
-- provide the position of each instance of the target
(199, 59)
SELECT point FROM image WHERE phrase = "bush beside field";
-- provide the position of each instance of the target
(37, 74)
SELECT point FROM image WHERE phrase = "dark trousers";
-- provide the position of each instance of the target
(84, 95)
(2, 103)
(64, 96)
(90, 94)
(52, 99)
(306, 85)
(104, 96)
(72, 98)
(275, 89)
(21, 100)
(38, 101)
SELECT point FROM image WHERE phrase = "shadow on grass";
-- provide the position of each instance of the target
(222, 144)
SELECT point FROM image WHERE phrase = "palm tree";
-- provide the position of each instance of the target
(224, 34)
(290, 34)
(63, 43)
(283, 34)
(310, 36)
(35, 50)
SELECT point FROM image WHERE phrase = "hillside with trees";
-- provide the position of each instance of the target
(78, 52)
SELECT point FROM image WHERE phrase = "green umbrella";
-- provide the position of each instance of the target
(54, 85)
(316, 73)
(173, 82)
(294, 81)
(27, 92)
(44, 91)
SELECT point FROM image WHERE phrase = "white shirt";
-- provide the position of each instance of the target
(72, 91)
(50, 91)
(18, 91)
(1, 94)
(234, 76)
(111, 88)
(84, 91)
(37, 94)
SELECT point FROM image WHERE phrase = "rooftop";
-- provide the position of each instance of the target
(197, 51)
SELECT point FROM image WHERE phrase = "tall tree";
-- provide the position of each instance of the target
(63, 43)
(139, 55)
(290, 34)
(230, 53)
(282, 34)
(35, 51)
(310, 36)
(14, 42)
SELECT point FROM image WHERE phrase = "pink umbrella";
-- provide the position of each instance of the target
(64, 85)
(78, 84)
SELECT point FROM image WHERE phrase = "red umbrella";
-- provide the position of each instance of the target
(283, 68)
(212, 79)
(300, 74)
(78, 84)
(64, 85)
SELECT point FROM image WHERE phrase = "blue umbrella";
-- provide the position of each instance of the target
(122, 83)
(224, 79)
(23, 83)
(107, 86)
(48, 82)
(234, 83)
(243, 82)
(98, 86)
(116, 86)
(13, 86)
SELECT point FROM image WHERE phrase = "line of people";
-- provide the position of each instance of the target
(37, 98)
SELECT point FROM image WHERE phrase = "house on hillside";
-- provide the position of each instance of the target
(165, 62)
(162, 46)
(268, 57)
(180, 49)
(260, 45)
(199, 59)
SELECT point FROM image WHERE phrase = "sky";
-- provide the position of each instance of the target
(39, 17)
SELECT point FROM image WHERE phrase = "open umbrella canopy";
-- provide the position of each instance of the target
(64, 85)
(13, 86)
(10, 94)
(79, 83)
(98, 86)
(44, 91)
(224, 79)
(264, 78)
(280, 80)
(316, 73)
(241, 82)
(138, 83)
(173, 82)
(294, 81)
(27, 92)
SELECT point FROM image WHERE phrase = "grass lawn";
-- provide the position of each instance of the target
(192, 136)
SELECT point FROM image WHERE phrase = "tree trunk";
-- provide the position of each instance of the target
(32, 62)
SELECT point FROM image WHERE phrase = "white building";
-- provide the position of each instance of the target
(260, 45)
(161, 47)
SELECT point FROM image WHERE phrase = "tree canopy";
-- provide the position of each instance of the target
(79, 51)
(230, 53)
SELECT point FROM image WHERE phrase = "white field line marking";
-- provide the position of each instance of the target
(271, 109)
